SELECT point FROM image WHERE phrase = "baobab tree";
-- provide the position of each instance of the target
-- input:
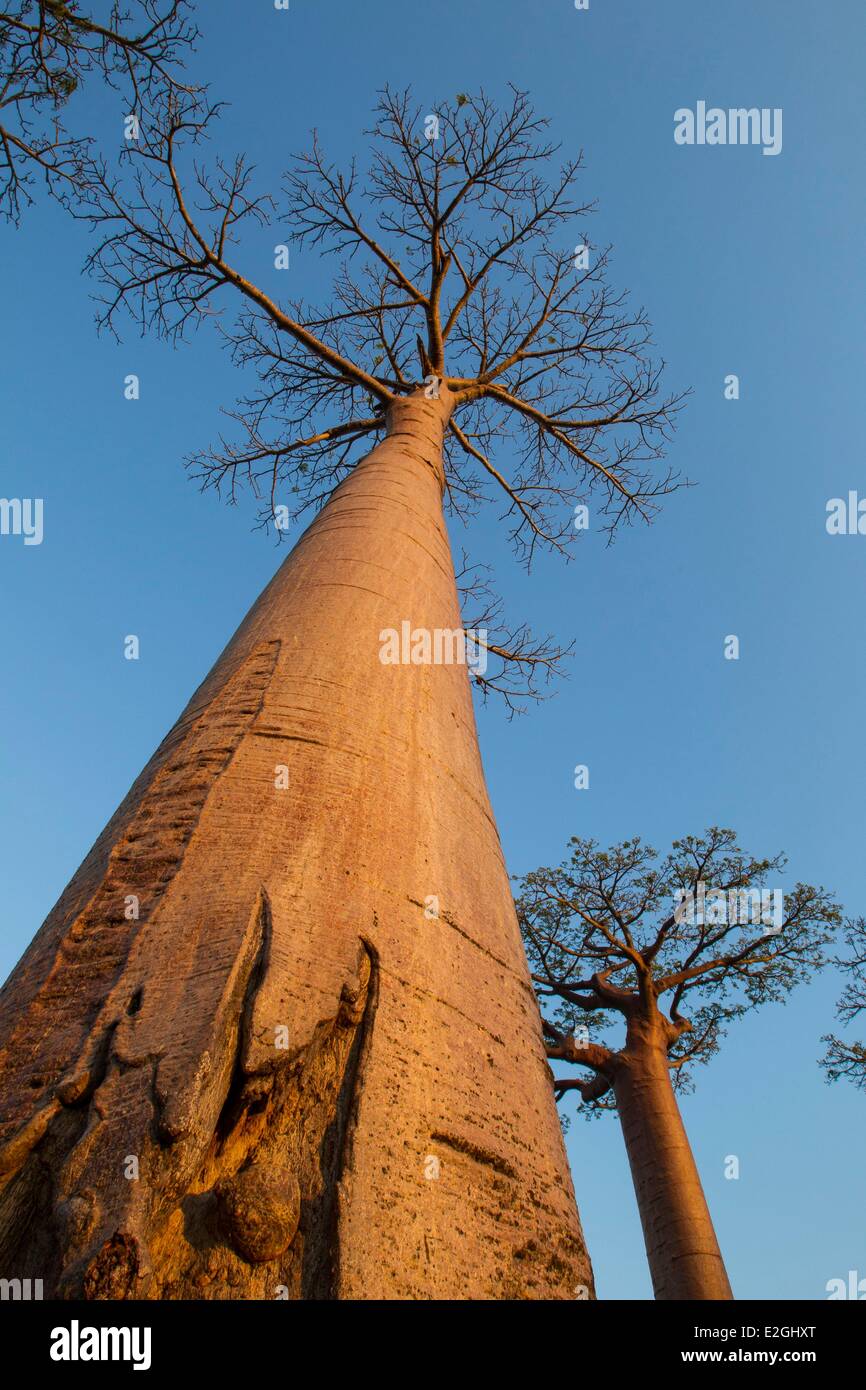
(286, 989)
(48, 48)
(844, 1057)
(673, 951)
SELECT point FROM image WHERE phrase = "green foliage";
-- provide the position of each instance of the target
(685, 943)
(64, 84)
(844, 1058)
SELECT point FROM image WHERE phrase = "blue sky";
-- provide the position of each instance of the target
(747, 264)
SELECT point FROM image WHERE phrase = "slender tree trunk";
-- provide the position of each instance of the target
(245, 1011)
(684, 1257)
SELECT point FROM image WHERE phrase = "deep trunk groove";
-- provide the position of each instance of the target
(41, 1049)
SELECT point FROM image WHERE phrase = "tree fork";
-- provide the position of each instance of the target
(323, 1093)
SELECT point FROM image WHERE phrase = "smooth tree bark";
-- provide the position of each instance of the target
(278, 1036)
(684, 1256)
(602, 947)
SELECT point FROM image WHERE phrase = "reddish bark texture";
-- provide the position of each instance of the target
(296, 916)
(684, 1256)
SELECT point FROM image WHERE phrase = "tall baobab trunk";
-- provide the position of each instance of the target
(286, 1028)
(684, 1256)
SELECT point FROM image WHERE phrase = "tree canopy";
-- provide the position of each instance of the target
(684, 945)
(47, 49)
(462, 269)
(845, 1057)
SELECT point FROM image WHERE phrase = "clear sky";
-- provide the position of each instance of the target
(747, 264)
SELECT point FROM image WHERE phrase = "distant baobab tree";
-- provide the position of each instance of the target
(843, 1057)
(288, 980)
(47, 49)
(674, 951)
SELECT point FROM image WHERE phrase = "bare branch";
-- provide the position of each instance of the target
(48, 49)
